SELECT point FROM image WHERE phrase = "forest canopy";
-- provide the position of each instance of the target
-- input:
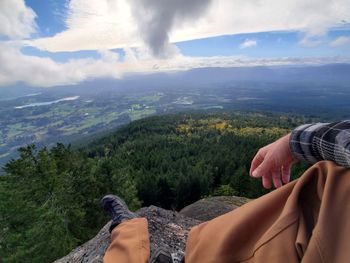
(49, 198)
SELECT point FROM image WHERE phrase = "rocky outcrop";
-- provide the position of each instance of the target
(209, 208)
(168, 229)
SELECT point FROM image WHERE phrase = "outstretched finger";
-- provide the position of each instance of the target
(258, 159)
(286, 174)
(262, 170)
(276, 177)
(266, 181)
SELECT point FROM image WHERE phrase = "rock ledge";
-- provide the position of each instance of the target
(168, 229)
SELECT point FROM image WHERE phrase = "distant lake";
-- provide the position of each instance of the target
(47, 103)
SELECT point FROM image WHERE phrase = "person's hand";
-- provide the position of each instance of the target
(273, 162)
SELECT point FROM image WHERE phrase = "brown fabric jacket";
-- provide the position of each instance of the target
(308, 220)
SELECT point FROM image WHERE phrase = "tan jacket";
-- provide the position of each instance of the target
(308, 220)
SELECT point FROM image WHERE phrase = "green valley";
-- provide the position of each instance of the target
(50, 197)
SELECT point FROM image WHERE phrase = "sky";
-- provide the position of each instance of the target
(45, 43)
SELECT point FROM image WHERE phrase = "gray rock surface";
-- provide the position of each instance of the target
(168, 229)
(209, 208)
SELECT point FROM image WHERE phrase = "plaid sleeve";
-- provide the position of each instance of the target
(322, 141)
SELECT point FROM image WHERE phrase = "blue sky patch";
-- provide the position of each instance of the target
(50, 16)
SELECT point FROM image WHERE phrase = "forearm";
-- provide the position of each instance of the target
(322, 141)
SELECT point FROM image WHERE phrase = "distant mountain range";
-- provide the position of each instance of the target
(331, 73)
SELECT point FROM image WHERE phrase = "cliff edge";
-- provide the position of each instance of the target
(167, 228)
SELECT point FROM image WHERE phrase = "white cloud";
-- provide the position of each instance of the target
(108, 24)
(44, 72)
(311, 41)
(105, 24)
(340, 41)
(94, 25)
(16, 20)
(249, 43)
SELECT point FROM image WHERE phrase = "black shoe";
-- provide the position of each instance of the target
(117, 209)
(161, 255)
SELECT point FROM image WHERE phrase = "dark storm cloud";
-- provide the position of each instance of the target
(156, 19)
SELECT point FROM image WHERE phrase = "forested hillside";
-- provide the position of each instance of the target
(49, 198)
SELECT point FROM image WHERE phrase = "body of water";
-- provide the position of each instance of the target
(47, 103)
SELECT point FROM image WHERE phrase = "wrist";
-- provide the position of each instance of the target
(288, 139)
